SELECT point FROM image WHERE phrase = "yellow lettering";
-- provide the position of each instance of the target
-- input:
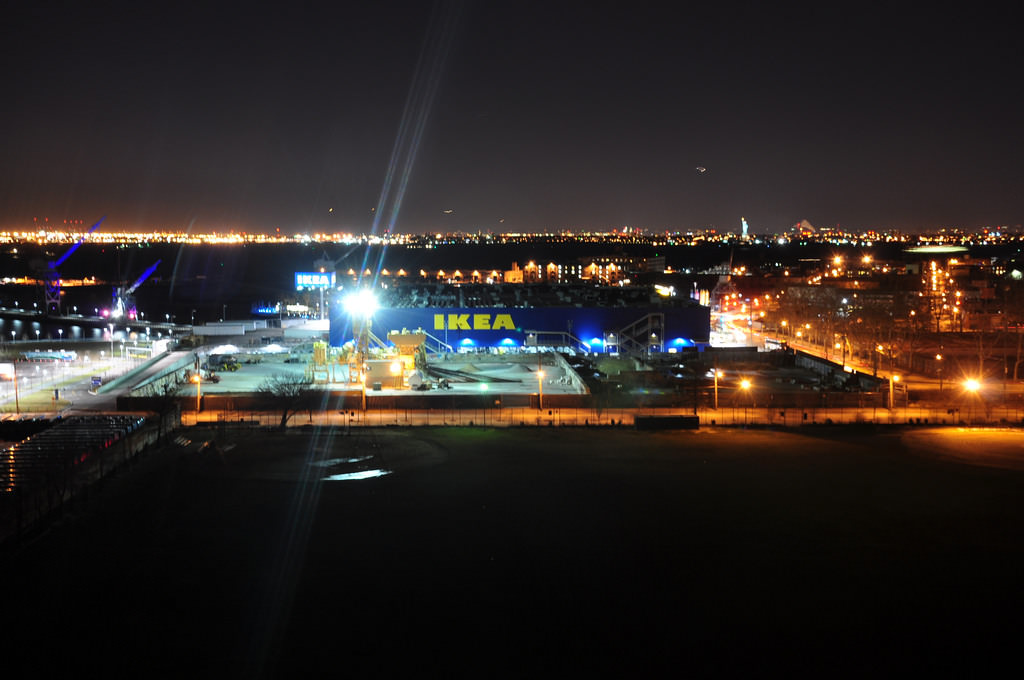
(458, 322)
(482, 322)
(439, 322)
(503, 321)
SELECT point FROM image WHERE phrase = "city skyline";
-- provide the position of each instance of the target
(466, 117)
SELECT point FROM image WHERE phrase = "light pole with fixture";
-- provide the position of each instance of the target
(718, 374)
(893, 379)
(973, 387)
(17, 405)
(360, 306)
(745, 386)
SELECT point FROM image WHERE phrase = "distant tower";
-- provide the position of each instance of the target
(745, 226)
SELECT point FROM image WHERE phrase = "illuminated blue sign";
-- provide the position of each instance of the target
(314, 280)
(266, 310)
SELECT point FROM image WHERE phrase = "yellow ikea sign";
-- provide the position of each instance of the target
(473, 322)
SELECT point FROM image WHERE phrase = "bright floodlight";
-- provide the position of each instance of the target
(972, 385)
(745, 384)
(362, 303)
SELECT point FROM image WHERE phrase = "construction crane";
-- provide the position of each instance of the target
(52, 275)
(124, 297)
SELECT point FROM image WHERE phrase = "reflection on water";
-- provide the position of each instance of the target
(340, 461)
(362, 474)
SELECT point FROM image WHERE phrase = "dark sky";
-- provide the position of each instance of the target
(545, 115)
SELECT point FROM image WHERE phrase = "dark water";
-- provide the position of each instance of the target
(213, 280)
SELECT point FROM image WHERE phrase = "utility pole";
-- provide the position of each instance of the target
(716, 383)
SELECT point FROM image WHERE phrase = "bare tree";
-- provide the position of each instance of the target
(1013, 317)
(163, 400)
(290, 394)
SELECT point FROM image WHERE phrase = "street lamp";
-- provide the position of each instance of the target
(540, 390)
(60, 332)
(938, 359)
(892, 380)
(718, 374)
(745, 386)
(110, 326)
(37, 335)
(972, 386)
(198, 380)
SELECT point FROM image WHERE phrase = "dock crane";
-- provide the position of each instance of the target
(52, 275)
(124, 297)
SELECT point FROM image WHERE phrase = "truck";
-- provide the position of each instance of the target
(224, 362)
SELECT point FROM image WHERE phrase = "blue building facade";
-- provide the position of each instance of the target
(593, 327)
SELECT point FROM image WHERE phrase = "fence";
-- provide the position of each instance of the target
(729, 416)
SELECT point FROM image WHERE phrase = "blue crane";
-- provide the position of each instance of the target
(52, 281)
(124, 297)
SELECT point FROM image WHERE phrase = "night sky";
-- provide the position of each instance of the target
(513, 116)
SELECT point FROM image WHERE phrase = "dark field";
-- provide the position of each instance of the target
(530, 552)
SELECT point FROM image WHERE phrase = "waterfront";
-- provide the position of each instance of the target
(209, 282)
(530, 551)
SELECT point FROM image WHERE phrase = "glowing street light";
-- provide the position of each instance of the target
(892, 380)
(973, 387)
(745, 386)
(361, 304)
(362, 388)
(540, 390)
(198, 380)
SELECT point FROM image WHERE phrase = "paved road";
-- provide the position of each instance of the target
(72, 380)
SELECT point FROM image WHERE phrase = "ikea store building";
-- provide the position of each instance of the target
(629, 330)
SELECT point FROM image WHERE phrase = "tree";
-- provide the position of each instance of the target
(289, 394)
(164, 401)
